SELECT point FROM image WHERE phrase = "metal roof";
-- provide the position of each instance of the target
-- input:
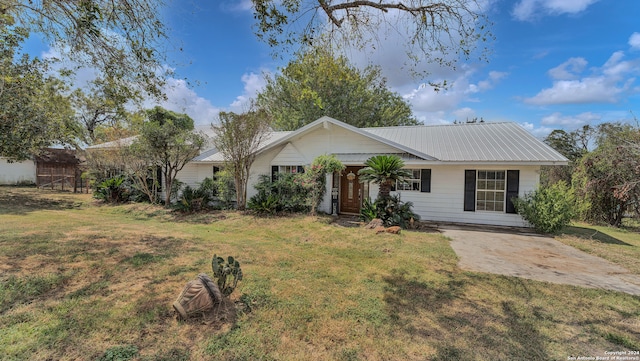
(477, 142)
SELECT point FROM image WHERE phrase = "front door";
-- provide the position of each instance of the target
(350, 191)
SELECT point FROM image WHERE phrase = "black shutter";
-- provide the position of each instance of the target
(470, 190)
(513, 187)
(425, 180)
(274, 173)
(300, 169)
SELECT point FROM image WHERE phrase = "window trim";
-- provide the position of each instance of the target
(490, 190)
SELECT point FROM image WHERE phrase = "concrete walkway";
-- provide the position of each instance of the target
(513, 253)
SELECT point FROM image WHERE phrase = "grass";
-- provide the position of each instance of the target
(86, 281)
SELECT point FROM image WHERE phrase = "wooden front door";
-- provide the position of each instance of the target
(350, 191)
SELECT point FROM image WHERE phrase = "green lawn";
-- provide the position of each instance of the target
(83, 281)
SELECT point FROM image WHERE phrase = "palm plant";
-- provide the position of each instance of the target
(383, 170)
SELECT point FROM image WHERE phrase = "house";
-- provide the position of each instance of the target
(465, 173)
(17, 173)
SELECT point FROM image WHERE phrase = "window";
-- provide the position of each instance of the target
(410, 184)
(285, 169)
(420, 181)
(290, 169)
(490, 190)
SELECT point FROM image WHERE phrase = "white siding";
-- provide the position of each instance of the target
(337, 140)
(17, 172)
(289, 156)
(445, 202)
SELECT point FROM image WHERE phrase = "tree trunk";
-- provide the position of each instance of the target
(385, 190)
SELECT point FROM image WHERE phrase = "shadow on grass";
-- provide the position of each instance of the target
(459, 327)
(21, 201)
(593, 234)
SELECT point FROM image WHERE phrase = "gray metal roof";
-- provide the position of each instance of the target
(477, 142)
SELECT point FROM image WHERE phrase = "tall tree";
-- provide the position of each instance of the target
(118, 37)
(316, 83)
(34, 111)
(238, 137)
(431, 30)
(566, 144)
(607, 179)
(169, 142)
(103, 103)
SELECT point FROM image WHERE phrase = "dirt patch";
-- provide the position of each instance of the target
(515, 253)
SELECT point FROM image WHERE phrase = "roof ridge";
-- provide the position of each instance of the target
(439, 125)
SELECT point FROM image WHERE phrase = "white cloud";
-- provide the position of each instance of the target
(538, 132)
(253, 84)
(432, 107)
(570, 69)
(571, 121)
(634, 41)
(181, 99)
(606, 84)
(530, 9)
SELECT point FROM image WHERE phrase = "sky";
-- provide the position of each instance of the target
(554, 64)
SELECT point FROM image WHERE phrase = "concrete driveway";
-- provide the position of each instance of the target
(516, 253)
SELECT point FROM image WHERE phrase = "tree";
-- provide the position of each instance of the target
(103, 104)
(167, 140)
(432, 31)
(606, 180)
(118, 37)
(238, 137)
(567, 145)
(35, 112)
(383, 170)
(316, 83)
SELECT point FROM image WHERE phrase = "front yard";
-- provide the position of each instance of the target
(83, 281)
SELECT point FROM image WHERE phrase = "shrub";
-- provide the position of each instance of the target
(547, 209)
(284, 194)
(113, 190)
(224, 188)
(194, 200)
(391, 210)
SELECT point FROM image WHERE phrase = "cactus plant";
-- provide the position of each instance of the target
(227, 273)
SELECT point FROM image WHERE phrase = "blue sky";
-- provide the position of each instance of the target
(554, 64)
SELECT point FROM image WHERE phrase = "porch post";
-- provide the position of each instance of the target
(334, 194)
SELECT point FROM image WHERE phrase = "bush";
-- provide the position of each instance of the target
(113, 190)
(284, 194)
(195, 200)
(391, 210)
(224, 188)
(547, 209)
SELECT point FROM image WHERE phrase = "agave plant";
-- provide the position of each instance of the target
(227, 273)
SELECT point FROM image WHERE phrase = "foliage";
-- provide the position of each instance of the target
(120, 38)
(224, 187)
(573, 146)
(285, 193)
(432, 32)
(198, 199)
(120, 353)
(606, 180)
(391, 210)
(548, 209)
(167, 141)
(113, 190)
(102, 104)
(383, 170)
(317, 83)
(228, 273)
(35, 113)
(315, 178)
(238, 137)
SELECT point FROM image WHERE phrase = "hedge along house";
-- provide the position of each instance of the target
(464, 173)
